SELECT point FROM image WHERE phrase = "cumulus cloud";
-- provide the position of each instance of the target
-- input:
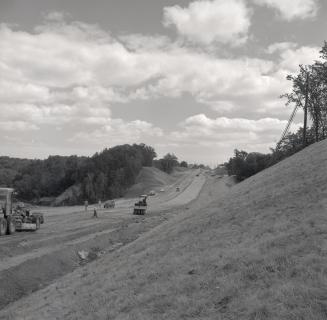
(117, 131)
(17, 126)
(280, 47)
(291, 55)
(222, 21)
(229, 133)
(68, 76)
(292, 58)
(292, 9)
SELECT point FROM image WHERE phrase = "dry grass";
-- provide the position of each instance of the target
(256, 252)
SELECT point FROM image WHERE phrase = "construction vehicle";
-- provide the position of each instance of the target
(141, 206)
(18, 218)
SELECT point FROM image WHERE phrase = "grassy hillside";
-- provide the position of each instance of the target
(149, 178)
(257, 251)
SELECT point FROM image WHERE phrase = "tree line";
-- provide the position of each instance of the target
(309, 92)
(105, 175)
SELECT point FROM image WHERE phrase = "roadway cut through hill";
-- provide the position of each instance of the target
(30, 261)
(257, 252)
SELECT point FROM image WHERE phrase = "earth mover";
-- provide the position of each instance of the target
(141, 206)
(12, 219)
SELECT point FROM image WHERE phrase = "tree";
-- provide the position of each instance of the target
(184, 164)
(244, 165)
(309, 91)
(168, 162)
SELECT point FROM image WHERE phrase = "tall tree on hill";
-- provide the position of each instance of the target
(309, 91)
(148, 154)
(168, 162)
(184, 164)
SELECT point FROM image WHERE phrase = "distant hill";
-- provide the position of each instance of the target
(149, 178)
(71, 180)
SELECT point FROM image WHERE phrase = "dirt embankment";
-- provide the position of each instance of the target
(256, 252)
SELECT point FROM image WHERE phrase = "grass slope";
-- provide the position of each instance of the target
(150, 178)
(258, 251)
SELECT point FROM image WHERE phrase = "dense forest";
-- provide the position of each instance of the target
(105, 175)
(309, 92)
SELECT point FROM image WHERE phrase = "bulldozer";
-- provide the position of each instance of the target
(141, 206)
(18, 218)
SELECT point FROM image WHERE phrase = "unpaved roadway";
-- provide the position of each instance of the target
(30, 261)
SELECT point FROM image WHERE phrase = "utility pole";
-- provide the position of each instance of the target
(304, 142)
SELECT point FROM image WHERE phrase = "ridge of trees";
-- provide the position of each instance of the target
(309, 91)
(105, 175)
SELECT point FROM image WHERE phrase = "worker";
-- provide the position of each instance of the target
(95, 213)
(100, 204)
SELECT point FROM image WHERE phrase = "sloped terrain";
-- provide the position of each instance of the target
(32, 260)
(69, 196)
(255, 251)
(150, 178)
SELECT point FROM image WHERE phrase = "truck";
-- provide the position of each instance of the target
(141, 206)
(18, 218)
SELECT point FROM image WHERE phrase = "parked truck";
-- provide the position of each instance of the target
(18, 218)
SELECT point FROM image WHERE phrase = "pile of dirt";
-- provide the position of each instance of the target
(257, 250)
(149, 178)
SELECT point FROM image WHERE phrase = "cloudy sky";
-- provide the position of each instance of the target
(197, 78)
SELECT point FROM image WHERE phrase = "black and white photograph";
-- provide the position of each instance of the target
(163, 159)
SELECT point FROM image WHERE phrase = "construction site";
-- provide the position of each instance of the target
(163, 160)
(236, 250)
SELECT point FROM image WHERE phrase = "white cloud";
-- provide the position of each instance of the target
(116, 131)
(14, 90)
(85, 69)
(280, 47)
(68, 76)
(224, 21)
(238, 124)
(291, 55)
(17, 126)
(292, 9)
(80, 68)
(292, 58)
(229, 133)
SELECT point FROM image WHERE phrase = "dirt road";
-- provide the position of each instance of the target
(70, 237)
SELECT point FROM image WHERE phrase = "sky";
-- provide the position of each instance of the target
(194, 78)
